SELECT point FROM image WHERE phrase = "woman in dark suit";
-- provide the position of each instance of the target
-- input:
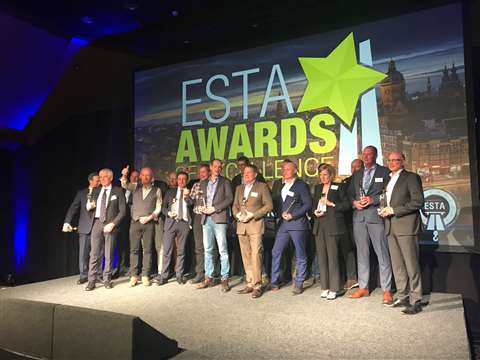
(330, 202)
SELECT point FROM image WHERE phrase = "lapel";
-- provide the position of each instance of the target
(109, 196)
(399, 181)
(219, 180)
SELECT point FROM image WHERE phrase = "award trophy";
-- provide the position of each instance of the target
(200, 202)
(243, 208)
(322, 204)
(383, 200)
(361, 192)
(290, 206)
(174, 208)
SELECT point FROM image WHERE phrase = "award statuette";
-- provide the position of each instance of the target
(200, 202)
(383, 200)
(290, 206)
(243, 208)
(174, 208)
(322, 204)
(361, 191)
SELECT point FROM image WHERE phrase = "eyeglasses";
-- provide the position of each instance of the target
(395, 160)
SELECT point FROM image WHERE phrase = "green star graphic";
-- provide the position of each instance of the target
(337, 81)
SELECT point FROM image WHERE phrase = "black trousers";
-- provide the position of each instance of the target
(348, 251)
(141, 234)
(175, 235)
(102, 243)
(327, 251)
(83, 254)
(199, 252)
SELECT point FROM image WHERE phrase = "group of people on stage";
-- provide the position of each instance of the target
(375, 206)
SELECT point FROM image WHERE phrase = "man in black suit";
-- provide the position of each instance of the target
(404, 199)
(85, 223)
(109, 208)
(178, 219)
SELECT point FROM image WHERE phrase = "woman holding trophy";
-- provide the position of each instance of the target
(330, 202)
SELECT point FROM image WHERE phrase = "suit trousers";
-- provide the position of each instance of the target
(159, 244)
(406, 268)
(141, 234)
(347, 249)
(199, 253)
(327, 252)
(175, 235)
(374, 232)
(282, 240)
(252, 250)
(101, 242)
(83, 254)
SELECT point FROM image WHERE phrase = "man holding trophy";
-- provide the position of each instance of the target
(178, 219)
(365, 189)
(404, 199)
(251, 203)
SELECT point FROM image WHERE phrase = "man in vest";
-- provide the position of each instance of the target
(146, 204)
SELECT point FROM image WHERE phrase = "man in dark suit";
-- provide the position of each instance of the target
(215, 215)
(293, 224)
(404, 199)
(109, 208)
(178, 219)
(85, 223)
(347, 246)
(364, 192)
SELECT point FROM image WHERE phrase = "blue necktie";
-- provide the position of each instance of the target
(367, 179)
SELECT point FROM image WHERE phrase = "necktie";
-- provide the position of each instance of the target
(367, 179)
(103, 206)
(180, 205)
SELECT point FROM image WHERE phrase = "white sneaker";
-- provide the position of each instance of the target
(332, 295)
(324, 294)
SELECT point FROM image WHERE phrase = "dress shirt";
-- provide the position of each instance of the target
(286, 187)
(391, 184)
(105, 190)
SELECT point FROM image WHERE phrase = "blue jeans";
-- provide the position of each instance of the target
(218, 232)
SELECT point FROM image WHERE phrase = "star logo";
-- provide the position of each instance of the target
(337, 81)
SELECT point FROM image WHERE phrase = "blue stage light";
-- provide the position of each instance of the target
(22, 202)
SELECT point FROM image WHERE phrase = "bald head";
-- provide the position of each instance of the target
(356, 165)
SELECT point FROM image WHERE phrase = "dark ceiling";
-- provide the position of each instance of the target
(153, 28)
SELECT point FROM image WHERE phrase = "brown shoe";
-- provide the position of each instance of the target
(387, 298)
(225, 286)
(359, 293)
(350, 284)
(256, 293)
(207, 282)
(245, 290)
(146, 281)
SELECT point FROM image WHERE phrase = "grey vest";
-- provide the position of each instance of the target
(141, 207)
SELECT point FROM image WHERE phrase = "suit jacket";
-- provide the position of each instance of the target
(299, 194)
(167, 206)
(348, 214)
(406, 200)
(237, 180)
(116, 205)
(259, 202)
(379, 181)
(222, 199)
(78, 206)
(333, 221)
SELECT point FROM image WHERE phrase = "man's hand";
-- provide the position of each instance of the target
(318, 213)
(186, 193)
(358, 205)
(239, 217)
(172, 214)
(125, 171)
(91, 205)
(287, 216)
(208, 210)
(366, 200)
(108, 228)
(387, 211)
(329, 203)
(248, 217)
(145, 219)
(67, 227)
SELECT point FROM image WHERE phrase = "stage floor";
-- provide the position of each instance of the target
(209, 324)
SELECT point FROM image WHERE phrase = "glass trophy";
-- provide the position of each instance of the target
(243, 207)
(322, 204)
(383, 200)
(200, 202)
(174, 208)
(361, 191)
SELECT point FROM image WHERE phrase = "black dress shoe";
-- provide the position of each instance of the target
(162, 281)
(182, 280)
(401, 303)
(197, 279)
(82, 281)
(108, 284)
(90, 286)
(413, 309)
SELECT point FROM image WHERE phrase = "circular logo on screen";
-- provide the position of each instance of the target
(439, 211)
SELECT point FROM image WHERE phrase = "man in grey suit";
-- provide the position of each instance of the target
(365, 189)
(109, 208)
(218, 198)
(85, 223)
(402, 225)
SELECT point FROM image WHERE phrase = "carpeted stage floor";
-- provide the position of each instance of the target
(209, 324)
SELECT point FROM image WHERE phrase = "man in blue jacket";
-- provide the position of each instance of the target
(293, 224)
